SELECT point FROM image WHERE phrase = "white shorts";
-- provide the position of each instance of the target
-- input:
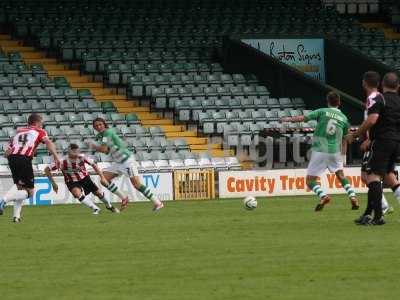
(320, 161)
(128, 168)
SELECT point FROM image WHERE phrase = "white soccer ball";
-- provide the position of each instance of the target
(250, 202)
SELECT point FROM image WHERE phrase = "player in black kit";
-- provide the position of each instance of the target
(383, 124)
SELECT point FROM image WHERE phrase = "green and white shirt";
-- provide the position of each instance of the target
(118, 151)
(332, 126)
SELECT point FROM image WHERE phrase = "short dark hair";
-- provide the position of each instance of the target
(98, 119)
(33, 118)
(333, 99)
(73, 146)
(372, 79)
(391, 81)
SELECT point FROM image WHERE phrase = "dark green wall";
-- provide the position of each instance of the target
(283, 80)
(345, 67)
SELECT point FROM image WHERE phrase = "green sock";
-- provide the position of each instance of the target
(146, 192)
(112, 187)
(346, 185)
(316, 188)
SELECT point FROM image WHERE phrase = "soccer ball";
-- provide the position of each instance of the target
(250, 202)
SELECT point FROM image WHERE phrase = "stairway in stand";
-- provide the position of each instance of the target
(56, 68)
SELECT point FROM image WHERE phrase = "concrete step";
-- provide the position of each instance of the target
(34, 55)
(54, 67)
(79, 79)
(157, 122)
(10, 43)
(173, 128)
(85, 85)
(206, 147)
(17, 48)
(42, 61)
(111, 96)
(195, 140)
(131, 109)
(148, 116)
(5, 37)
(177, 134)
(65, 73)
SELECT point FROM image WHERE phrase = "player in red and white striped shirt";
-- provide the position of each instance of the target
(77, 178)
(20, 152)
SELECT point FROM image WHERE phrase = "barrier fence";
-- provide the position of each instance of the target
(194, 184)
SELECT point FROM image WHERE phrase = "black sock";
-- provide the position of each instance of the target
(375, 198)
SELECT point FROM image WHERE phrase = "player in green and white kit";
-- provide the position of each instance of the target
(328, 148)
(123, 163)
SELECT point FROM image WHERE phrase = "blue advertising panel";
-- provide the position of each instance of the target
(306, 55)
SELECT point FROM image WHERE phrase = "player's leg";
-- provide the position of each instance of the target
(385, 205)
(347, 187)
(22, 174)
(14, 196)
(136, 182)
(377, 167)
(110, 174)
(316, 167)
(391, 181)
(90, 187)
(19, 202)
(78, 193)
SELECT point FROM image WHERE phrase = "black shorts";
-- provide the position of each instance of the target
(382, 157)
(21, 170)
(364, 161)
(86, 184)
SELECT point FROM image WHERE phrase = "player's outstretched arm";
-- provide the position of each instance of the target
(96, 147)
(293, 119)
(363, 129)
(52, 148)
(49, 175)
(97, 170)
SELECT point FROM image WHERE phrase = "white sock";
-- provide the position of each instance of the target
(385, 204)
(89, 203)
(106, 201)
(397, 193)
(16, 195)
(17, 208)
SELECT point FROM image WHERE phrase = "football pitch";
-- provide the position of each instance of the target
(200, 250)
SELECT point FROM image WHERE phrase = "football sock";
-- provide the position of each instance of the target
(385, 203)
(147, 193)
(16, 196)
(112, 187)
(375, 196)
(89, 203)
(105, 201)
(396, 191)
(316, 188)
(346, 185)
(17, 208)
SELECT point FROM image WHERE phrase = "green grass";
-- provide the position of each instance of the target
(200, 250)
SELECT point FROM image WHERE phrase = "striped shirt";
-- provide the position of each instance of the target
(26, 140)
(74, 169)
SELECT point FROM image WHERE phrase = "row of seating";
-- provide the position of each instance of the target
(40, 93)
(210, 91)
(20, 69)
(70, 119)
(95, 61)
(148, 162)
(28, 80)
(60, 106)
(142, 84)
(187, 111)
